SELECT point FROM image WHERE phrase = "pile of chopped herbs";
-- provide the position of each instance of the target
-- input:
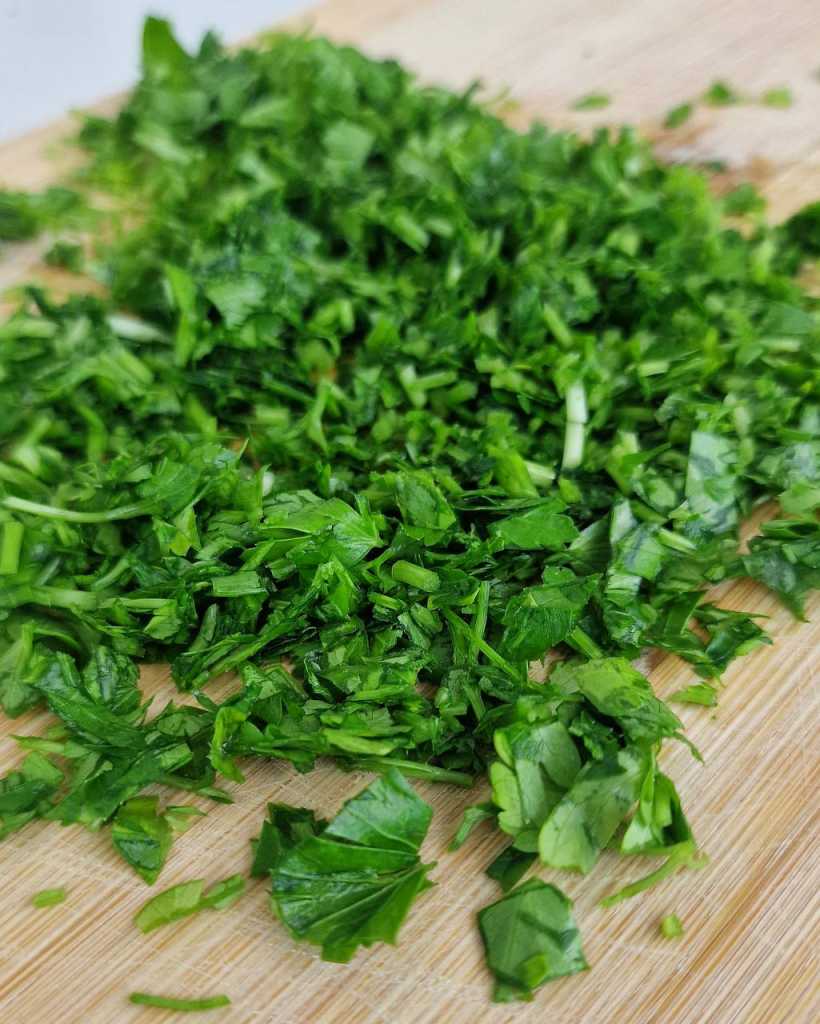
(387, 402)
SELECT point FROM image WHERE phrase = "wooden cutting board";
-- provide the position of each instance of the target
(751, 918)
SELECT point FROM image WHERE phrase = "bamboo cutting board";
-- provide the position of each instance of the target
(751, 918)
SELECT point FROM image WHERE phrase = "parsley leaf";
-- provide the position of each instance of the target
(592, 101)
(143, 835)
(188, 898)
(530, 937)
(353, 883)
(283, 828)
(49, 897)
(671, 927)
(586, 818)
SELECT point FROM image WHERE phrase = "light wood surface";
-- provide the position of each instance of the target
(751, 918)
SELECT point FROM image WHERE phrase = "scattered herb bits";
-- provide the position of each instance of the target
(384, 402)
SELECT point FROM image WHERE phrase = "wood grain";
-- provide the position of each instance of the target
(752, 917)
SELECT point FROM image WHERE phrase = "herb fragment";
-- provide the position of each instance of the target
(66, 255)
(530, 937)
(678, 115)
(354, 882)
(143, 835)
(509, 867)
(188, 898)
(473, 816)
(179, 1005)
(698, 693)
(24, 215)
(720, 94)
(671, 927)
(592, 101)
(779, 97)
(49, 897)
(284, 827)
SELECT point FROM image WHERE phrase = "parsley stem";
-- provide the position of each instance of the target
(576, 405)
(11, 547)
(540, 474)
(679, 857)
(584, 643)
(62, 597)
(416, 769)
(491, 653)
(35, 508)
(180, 1005)
(415, 576)
(480, 617)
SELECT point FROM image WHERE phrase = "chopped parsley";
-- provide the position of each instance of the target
(721, 94)
(353, 880)
(592, 101)
(188, 898)
(530, 937)
(671, 927)
(179, 1005)
(779, 97)
(383, 402)
(678, 115)
(49, 897)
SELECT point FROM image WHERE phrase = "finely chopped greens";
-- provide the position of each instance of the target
(386, 402)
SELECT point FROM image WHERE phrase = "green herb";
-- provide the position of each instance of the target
(25, 794)
(585, 819)
(354, 882)
(383, 402)
(592, 101)
(67, 255)
(143, 836)
(786, 558)
(720, 94)
(188, 898)
(49, 897)
(698, 693)
(744, 199)
(284, 828)
(780, 97)
(671, 927)
(179, 1005)
(537, 765)
(678, 115)
(24, 215)
(510, 866)
(530, 937)
(684, 856)
(472, 817)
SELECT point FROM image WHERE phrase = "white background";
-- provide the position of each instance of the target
(59, 54)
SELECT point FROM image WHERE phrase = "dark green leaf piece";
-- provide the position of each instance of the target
(354, 883)
(530, 937)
